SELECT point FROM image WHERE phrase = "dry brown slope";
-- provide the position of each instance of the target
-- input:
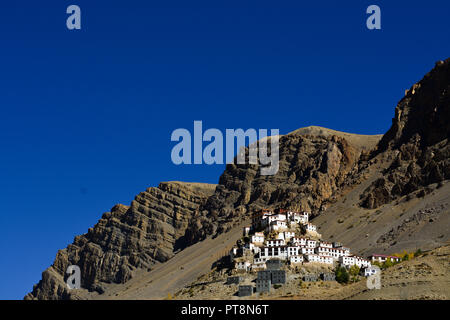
(424, 277)
(175, 274)
(408, 223)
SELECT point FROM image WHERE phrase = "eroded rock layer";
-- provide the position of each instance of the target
(126, 238)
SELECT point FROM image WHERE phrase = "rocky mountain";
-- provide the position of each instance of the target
(315, 165)
(341, 178)
(125, 239)
(418, 141)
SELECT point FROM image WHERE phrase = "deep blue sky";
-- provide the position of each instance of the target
(86, 116)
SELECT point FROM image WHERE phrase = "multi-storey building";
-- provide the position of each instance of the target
(382, 258)
(258, 238)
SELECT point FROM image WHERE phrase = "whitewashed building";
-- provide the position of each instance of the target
(361, 262)
(275, 243)
(276, 225)
(286, 235)
(323, 251)
(326, 244)
(258, 238)
(382, 258)
(258, 266)
(277, 217)
(336, 253)
(327, 259)
(274, 253)
(298, 217)
(296, 259)
(347, 261)
(307, 250)
(252, 247)
(267, 220)
(294, 251)
(311, 243)
(315, 258)
(259, 260)
(311, 227)
(298, 241)
(312, 257)
(243, 265)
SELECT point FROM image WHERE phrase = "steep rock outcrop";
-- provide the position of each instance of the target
(126, 238)
(417, 142)
(313, 169)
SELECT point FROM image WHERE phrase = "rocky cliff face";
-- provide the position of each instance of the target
(316, 164)
(126, 238)
(417, 142)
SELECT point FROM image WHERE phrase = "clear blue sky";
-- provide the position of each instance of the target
(86, 116)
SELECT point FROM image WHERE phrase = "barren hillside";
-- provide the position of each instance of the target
(424, 277)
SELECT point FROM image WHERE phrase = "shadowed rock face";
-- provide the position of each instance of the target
(126, 238)
(424, 111)
(418, 141)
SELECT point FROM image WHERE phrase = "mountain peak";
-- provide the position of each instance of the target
(424, 111)
(360, 141)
